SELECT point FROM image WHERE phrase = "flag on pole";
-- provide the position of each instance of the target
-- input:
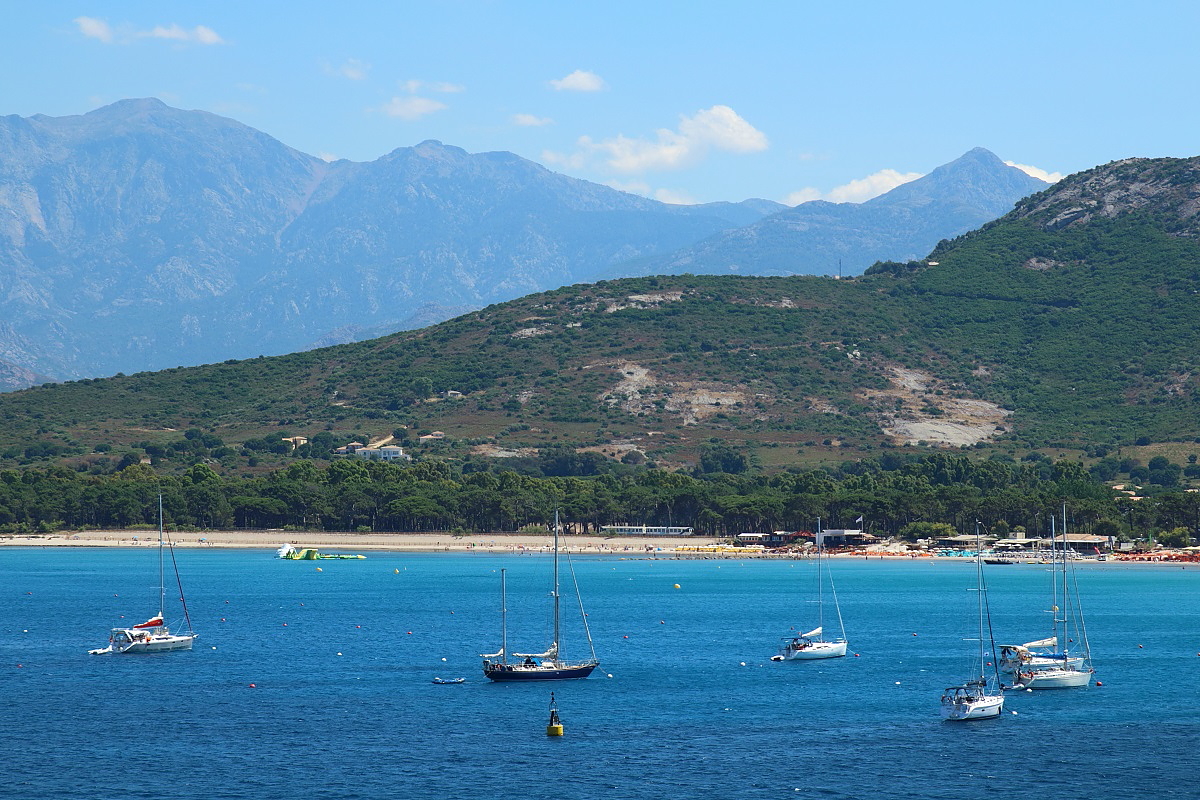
(860, 519)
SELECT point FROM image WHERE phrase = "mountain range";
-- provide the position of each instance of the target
(139, 237)
(1067, 325)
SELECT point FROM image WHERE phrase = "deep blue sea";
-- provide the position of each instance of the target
(342, 654)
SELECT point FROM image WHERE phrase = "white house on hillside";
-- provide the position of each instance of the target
(389, 452)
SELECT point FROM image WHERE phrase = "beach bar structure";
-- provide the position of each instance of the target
(844, 537)
(644, 530)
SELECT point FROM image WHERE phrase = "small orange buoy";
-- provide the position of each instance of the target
(285, 624)
(626, 636)
(1098, 683)
(409, 633)
(253, 686)
(856, 655)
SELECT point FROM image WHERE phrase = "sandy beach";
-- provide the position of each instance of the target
(353, 543)
(359, 542)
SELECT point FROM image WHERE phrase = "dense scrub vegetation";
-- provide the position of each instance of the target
(893, 495)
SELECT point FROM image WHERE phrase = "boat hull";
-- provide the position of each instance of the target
(1054, 679)
(506, 673)
(813, 650)
(961, 710)
(132, 642)
(1036, 663)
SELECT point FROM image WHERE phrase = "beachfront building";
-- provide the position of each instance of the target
(775, 538)
(844, 537)
(644, 530)
(967, 542)
(389, 452)
(1079, 543)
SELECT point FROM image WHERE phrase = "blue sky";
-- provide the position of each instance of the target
(682, 101)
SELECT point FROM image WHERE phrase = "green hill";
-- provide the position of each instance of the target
(1068, 323)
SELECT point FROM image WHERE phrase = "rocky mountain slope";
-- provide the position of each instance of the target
(140, 237)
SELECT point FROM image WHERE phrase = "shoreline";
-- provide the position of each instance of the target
(329, 543)
(352, 543)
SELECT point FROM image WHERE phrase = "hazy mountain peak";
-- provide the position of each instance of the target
(976, 176)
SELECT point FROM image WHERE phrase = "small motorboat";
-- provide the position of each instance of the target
(449, 680)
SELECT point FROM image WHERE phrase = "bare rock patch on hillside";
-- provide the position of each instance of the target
(919, 407)
(638, 390)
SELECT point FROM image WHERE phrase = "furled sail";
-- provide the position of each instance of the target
(1050, 642)
(551, 653)
(493, 655)
(813, 632)
(153, 622)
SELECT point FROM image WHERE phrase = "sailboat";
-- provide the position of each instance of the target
(1064, 660)
(981, 697)
(153, 635)
(812, 644)
(547, 666)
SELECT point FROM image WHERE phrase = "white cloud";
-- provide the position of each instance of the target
(354, 69)
(530, 121)
(125, 34)
(802, 196)
(675, 196)
(95, 29)
(579, 81)
(200, 34)
(855, 191)
(716, 128)
(414, 86)
(411, 108)
(1037, 172)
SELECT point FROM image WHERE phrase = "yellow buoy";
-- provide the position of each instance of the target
(677, 586)
(555, 728)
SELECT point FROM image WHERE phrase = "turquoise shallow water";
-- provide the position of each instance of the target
(344, 706)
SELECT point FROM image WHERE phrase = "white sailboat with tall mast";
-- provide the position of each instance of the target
(546, 666)
(981, 697)
(1065, 661)
(153, 635)
(813, 644)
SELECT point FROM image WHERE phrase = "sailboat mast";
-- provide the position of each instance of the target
(556, 624)
(1067, 611)
(1054, 609)
(162, 579)
(503, 620)
(979, 598)
(820, 580)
